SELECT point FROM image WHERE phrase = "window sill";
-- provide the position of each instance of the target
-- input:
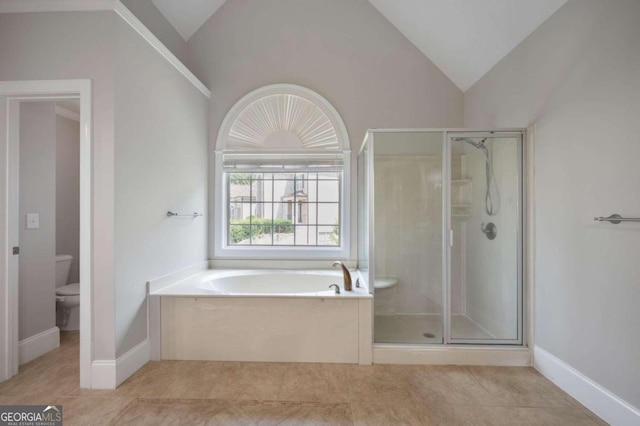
(271, 252)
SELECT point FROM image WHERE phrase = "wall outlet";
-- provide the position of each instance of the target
(33, 221)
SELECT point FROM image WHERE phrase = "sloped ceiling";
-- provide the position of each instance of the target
(187, 16)
(464, 38)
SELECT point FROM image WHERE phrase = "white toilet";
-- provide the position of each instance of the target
(67, 296)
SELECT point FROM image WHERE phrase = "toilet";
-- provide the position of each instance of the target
(67, 296)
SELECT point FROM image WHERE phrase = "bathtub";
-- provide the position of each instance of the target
(261, 315)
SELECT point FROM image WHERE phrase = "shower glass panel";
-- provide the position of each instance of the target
(485, 215)
(408, 236)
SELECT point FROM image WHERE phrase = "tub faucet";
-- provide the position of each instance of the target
(346, 274)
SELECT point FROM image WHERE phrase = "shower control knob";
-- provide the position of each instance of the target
(490, 230)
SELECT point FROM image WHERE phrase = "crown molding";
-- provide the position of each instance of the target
(63, 112)
(135, 23)
(24, 6)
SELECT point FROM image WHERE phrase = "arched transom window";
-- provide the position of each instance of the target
(282, 176)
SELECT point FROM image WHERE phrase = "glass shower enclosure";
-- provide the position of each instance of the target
(441, 235)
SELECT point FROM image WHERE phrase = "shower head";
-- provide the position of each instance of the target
(472, 142)
(477, 145)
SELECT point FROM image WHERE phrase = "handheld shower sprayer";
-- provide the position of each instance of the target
(491, 205)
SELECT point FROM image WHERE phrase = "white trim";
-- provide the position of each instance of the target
(42, 89)
(276, 264)
(289, 89)
(608, 406)
(135, 23)
(109, 374)
(131, 361)
(365, 331)
(12, 232)
(516, 356)
(218, 231)
(219, 235)
(63, 112)
(529, 238)
(22, 6)
(38, 344)
(446, 130)
(103, 374)
(154, 327)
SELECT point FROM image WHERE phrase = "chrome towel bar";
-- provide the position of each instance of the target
(616, 219)
(172, 214)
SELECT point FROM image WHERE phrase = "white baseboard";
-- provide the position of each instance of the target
(39, 344)
(131, 361)
(109, 374)
(602, 402)
(452, 355)
(103, 374)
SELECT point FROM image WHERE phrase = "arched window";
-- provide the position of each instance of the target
(282, 177)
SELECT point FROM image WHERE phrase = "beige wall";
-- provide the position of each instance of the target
(155, 21)
(344, 50)
(160, 164)
(577, 78)
(37, 276)
(83, 48)
(68, 192)
(154, 149)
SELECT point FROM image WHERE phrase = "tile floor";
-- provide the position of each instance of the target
(237, 393)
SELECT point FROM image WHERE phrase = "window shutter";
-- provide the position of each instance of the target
(283, 161)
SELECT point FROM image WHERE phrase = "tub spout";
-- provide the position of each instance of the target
(346, 274)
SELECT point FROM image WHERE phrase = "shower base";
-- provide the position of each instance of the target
(411, 328)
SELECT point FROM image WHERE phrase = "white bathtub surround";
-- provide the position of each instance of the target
(172, 278)
(153, 303)
(262, 283)
(262, 315)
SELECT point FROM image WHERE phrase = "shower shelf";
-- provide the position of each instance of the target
(461, 190)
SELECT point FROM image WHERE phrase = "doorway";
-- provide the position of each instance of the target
(11, 95)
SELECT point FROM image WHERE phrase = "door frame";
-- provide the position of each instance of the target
(11, 93)
(520, 135)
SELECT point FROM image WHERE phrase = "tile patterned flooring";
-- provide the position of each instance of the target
(240, 393)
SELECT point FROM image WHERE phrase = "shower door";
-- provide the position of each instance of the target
(407, 235)
(484, 219)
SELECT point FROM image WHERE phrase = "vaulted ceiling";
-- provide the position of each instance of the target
(187, 16)
(464, 38)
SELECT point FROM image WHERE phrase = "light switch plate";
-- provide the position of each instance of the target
(33, 221)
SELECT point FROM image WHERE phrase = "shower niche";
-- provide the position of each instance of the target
(440, 216)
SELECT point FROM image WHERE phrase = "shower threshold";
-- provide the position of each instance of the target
(423, 328)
